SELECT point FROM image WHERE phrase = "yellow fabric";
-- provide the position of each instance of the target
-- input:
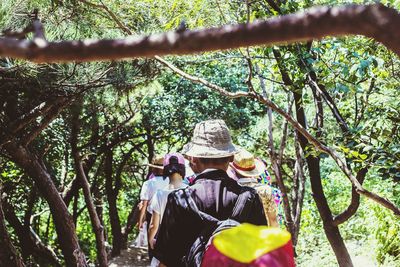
(247, 242)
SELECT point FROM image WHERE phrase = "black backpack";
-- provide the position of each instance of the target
(213, 226)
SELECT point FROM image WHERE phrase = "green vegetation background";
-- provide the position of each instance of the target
(169, 106)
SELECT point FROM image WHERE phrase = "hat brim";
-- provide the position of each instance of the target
(155, 166)
(257, 171)
(198, 151)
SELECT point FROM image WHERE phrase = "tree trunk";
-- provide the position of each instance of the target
(313, 163)
(80, 173)
(64, 225)
(115, 222)
(8, 254)
(132, 220)
(29, 242)
(94, 218)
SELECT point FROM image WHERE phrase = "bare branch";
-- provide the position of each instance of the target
(20, 34)
(202, 81)
(47, 119)
(323, 148)
(376, 21)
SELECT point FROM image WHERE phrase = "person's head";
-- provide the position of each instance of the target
(156, 165)
(174, 167)
(246, 165)
(211, 146)
(200, 164)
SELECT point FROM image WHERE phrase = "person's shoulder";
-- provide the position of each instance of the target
(182, 191)
(263, 190)
(158, 179)
(251, 192)
(180, 196)
(248, 189)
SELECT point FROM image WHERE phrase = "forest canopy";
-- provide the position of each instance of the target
(324, 113)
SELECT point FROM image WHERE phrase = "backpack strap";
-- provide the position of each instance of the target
(204, 216)
(243, 205)
(212, 226)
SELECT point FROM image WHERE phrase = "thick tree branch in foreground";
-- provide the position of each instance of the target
(167, 64)
(375, 21)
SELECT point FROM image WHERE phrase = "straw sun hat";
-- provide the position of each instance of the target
(211, 139)
(157, 162)
(246, 165)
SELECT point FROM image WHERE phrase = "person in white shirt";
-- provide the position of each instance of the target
(149, 188)
(174, 171)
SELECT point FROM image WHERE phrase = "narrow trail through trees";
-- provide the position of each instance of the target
(130, 257)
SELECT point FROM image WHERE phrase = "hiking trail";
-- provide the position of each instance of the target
(131, 257)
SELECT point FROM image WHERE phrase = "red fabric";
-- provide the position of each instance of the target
(281, 257)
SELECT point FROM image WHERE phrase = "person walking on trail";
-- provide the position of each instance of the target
(248, 169)
(148, 190)
(213, 197)
(175, 170)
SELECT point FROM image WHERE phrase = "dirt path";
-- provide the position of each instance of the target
(132, 257)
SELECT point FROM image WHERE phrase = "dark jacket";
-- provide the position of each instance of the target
(213, 193)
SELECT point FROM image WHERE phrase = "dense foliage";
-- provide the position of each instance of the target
(116, 115)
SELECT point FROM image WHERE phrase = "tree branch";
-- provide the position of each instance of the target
(375, 21)
(323, 148)
(355, 201)
(47, 119)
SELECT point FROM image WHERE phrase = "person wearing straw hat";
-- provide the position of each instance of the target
(149, 188)
(211, 198)
(247, 169)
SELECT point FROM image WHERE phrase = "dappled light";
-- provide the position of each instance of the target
(193, 133)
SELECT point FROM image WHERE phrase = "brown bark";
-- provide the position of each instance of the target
(354, 203)
(17, 124)
(376, 21)
(277, 169)
(80, 172)
(115, 222)
(355, 197)
(299, 191)
(8, 253)
(132, 220)
(331, 231)
(62, 219)
(313, 163)
(28, 241)
(47, 119)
